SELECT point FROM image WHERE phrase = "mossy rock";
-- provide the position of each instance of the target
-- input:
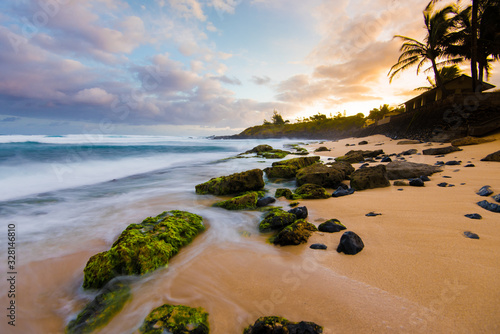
(143, 248)
(260, 149)
(295, 234)
(331, 226)
(284, 192)
(274, 154)
(244, 202)
(321, 175)
(312, 191)
(276, 219)
(351, 157)
(281, 172)
(298, 162)
(322, 149)
(176, 319)
(370, 177)
(233, 184)
(279, 325)
(101, 309)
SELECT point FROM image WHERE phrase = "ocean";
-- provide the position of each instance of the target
(70, 196)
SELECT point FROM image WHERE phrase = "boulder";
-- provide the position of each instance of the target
(408, 170)
(102, 308)
(474, 216)
(244, 202)
(496, 198)
(408, 142)
(485, 191)
(441, 150)
(260, 149)
(278, 325)
(276, 220)
(288, 168)
(295, 234)
(350, 243)
(400, 183)
(176, 319)
(281, 172)
(409, 152)
(311, 191)
(265, 201)
(300, 212)
(370, 177)
(386, 159)
(284, 192)
(492, 157)
(331, 226)
(363, 142)
(233, 184)
(274, 154)
(452, 163)
(489, 206)
(297, 162)
(322, 149)
(321, 175)
(418, 182)
(143, 248)
(470, 141)
(351, 157)
(343, 192)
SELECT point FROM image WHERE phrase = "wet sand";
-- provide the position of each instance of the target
(416, 274)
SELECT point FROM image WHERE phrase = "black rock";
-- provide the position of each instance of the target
(470, 165)
(331, 226)
(343, 186)
(342, 192)
(350, 243)
(496, 198)
(400, 189)
(471, 235)
(364, 165)
(373, 214)
(453, 163)
(485, 191)
(473, 216)
(386, 159)
(425, 178)
(439, 163)
(442, 184)
(416, 182)
(264, 201)
(441, 150)
(409, 152)
(446, 177)
(489, 206)
(364, 142)
(300, 212)
(318, 246)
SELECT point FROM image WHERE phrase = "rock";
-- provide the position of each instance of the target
(321, 175)
(492, 157)
(371, 154)
(473, 216)
(364, 165)
(409, 152)
(370, 177)
(311, 191)
(102, 308)
(176, 319)
(143, 248)
(439, 163)
(260, 149)
(496, 198)
(351, 157)
(288, 168)
(278, 325)
(470, 141)
(453, 163)
(485, 191)
(295, 234)
(386, 159)
(470, 165)
(265, 201)
(363, 142)
(409, 170)
(425, 178)
(276, 219)
(373, 214)
(322, 149)
(442, 184)
(293, 204)
(233, 184)
(300, 212)
(400, 183)
(331, 226)
(318, 246)
(350, 243)
(284, 192)
(408, 142)
(274, 154)
(441, 150)
(471, 235)
(243, 202)
(417, 182)
(489, 206)
(342, 192)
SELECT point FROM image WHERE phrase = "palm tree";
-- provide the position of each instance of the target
(438, 25)
(446, 73)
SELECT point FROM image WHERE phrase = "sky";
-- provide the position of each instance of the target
(197, 67)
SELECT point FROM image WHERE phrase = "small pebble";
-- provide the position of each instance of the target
(471, 235)
(318, 246)
(473, 216)
(372, 214)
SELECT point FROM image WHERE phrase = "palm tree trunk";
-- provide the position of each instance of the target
(473, 60)
(439, 81)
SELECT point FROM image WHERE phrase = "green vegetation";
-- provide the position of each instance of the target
(272, 324)
(143, 248)
(379, 113)
(233, 184)
(243, 202)
(176, 319)
(294, 234)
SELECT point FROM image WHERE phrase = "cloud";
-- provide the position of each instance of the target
(188, 9)
(94, 96)
(226, 79)
(10, 119)
(264, 80)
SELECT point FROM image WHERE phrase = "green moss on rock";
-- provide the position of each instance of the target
(312, 191)
(99, 311)
(276, 219)
(176, 319)
(281, 172)
(298, 162)
(295, 234)
(274, 154)
(279, 325)
(142, 248)
(233, 184)
(243, 202)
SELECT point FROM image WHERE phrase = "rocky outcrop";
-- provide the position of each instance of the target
(370, 177)
(311, 191)
(408, 142)
(265, 201)
(492, 157)
(143, 248)
(275, 220)
(470, 141)
(284, 192)
(493, 207)
(325, 176)
(295, 234)
(406, 170)
(233, 184)
(350, 243)
(288, 168)
(322, 149)
(331, 226)
(176, 319)
(351, 157)
(244, 202)
(278, 325)
(441, 150)
(300, 212)
(260, 149)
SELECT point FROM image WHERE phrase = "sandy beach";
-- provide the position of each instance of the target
(416, 274)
